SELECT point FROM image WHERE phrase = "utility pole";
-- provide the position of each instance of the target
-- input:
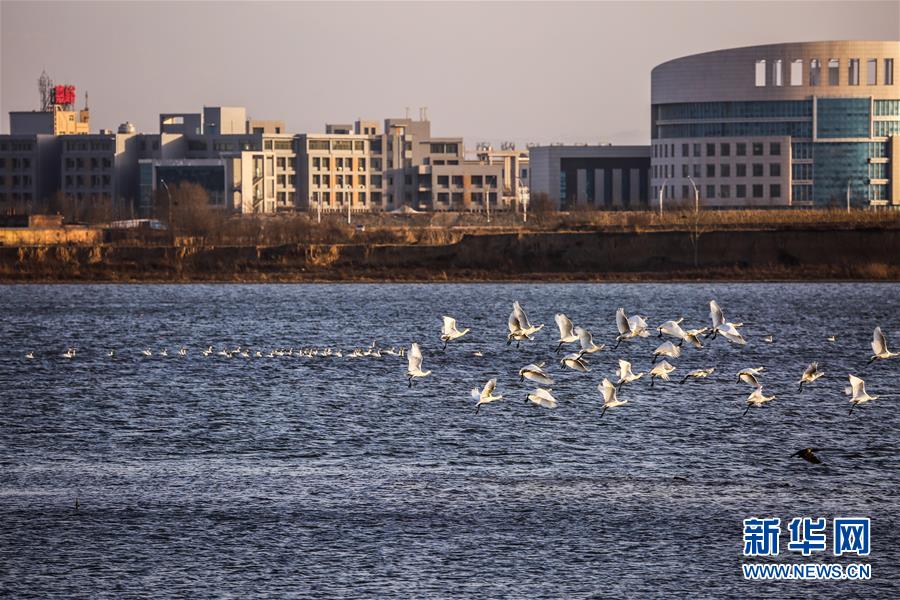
(487, 203)
(696, 195)
(661, 190)
(349, 203)
(848, 195)
(318, 207)
(169, 194)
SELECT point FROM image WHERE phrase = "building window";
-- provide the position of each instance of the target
(725, 170)
(775, 190)
(853, 71)
(710, 191)
(872, 71)
(834, 71)
(757, 170)
(797, 72)
(710, 149)
(725, 191)
(774, 169)
(815, 71)
(684, 170)
(776, 73)
(684, 149)
(757, 190)
(761, 73)
(696, 170)
(741, 149)
(696, 150)
(710, 170)
(775, 148)
(725, 149)
(757, 149)
(741, 190)
(889, 71)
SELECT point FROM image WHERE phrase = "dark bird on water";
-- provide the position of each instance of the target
(807, 455)
(77, 505)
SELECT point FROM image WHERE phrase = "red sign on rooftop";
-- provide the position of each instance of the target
(64, 94)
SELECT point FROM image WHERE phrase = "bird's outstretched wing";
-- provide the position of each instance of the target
(715, 314)
(879, 342)
(565, 325)
(488, 390)
(622, 322)
(857, 386)
(608, 390)
(414, 356)
(449, 326)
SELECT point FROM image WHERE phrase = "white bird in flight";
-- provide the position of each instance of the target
(610, 396)
(673, 329)
(629, 327)
(661, 371)
(857, 392)
(536, 373)
(719, 325)
(698, 374)
(667, 349)
(693, 336)
(541, 397)
(757, 398)
(486, 396)
(520, 328)
(575, 361)
(879, 347)
(625, 374)
(566, 330)
(415, 364)
(749, 376)
(450, 332)
(587, 341)
(811, 373)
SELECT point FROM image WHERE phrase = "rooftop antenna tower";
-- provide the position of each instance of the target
(45, 87)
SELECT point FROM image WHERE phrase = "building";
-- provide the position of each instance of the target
(515, 173)
(594, 176)
(798, 124)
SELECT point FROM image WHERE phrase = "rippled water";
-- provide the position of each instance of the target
(293, 476)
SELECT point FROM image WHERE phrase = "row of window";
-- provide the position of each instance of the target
(804, 150)
(724, 149)
(724, 170)
(85, 146)
(735, 110)
(342, 180)
(451, 198)
(798, 129)
(337, 145)
(324, 162)
(18, 181)
(14, 164)
(885, 128)
(81, 163)
(887, 108)
(15, 197)
(776, 78)
(757, 191)
(85, 181)
(16, 146)
(459, 180)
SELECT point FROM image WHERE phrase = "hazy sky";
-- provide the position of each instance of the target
(539, 72)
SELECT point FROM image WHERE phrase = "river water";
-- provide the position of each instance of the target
(323, 476)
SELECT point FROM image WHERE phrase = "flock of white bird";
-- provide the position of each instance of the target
(635, 327)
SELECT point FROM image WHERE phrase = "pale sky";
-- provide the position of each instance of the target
(528, 72)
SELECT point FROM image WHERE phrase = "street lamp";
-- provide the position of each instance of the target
(661, 190)
(696, 194)
(169, 194)
(848, 195)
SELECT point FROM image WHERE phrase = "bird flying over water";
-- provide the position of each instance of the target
(667, 349)
(673, 329)
(575, 361)
(807, 455)
(757, 398)
(535, 372)
(450, 332)
(811, 373)
(610, 396)
(486, 396)
(587, 341)
(625, 374)
(879, 347)
(629, 327)
(414, 358)
(857, 393)
(520, 328)
(541, 397)
(662, 371)
(566, 330)
(698, 374)
(749, 376)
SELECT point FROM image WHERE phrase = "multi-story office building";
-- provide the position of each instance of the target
(779, 125)
(515, 165)
(29, 170)
(599, 176)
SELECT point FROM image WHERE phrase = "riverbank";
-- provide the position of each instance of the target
(795, 254)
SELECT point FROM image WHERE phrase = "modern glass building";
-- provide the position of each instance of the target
(801, 124)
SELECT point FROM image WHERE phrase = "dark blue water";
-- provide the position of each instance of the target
(294, 476)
